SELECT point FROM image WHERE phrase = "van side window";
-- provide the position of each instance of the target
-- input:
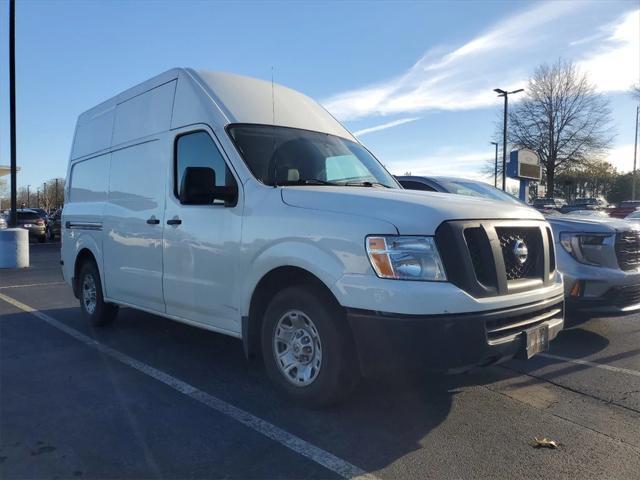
(198, 150)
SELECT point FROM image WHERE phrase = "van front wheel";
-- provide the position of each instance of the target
(307, 348)
(92, 303)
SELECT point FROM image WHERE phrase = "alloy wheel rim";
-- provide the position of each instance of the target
(297, 348)
(89, 294)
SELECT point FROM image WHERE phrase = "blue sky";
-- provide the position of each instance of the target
(414, 80)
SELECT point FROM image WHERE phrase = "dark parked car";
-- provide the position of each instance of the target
(549, 203)
(32, 221)
(459, 186)
(591, 203)
(624, 208)
(55, 221)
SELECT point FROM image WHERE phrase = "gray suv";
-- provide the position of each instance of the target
(599, 258)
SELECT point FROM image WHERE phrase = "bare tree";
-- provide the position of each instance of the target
(563, 119)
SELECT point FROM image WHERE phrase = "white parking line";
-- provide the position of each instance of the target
(292, 442)
(587, 363)
(46, 284)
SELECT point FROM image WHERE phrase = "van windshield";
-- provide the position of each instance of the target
(290, 156)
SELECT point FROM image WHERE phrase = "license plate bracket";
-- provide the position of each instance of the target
(536, 340)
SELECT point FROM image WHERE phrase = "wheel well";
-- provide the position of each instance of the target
(268, 286)
(83, 256)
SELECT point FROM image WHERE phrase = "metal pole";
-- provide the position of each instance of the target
(56, 199)
(28, 197)
(635, 157)
(504, 144)
(495, 170)
(12, 109)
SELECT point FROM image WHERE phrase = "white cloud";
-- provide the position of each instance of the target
(621, 157)
(384, 126)
(503, 56)
(461, 79)
(616, 65)
(448, 161)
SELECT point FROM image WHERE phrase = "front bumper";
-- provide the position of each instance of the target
(599, 291)
(616, 301)
(449, 342)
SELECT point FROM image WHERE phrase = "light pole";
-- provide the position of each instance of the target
(13, 221)
(495, 171)
(505, 94)
(28, 197)
(635, 156)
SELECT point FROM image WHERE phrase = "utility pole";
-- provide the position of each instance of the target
(56, 193)
(28, 197)
(505, 94)
(44, 196)
(635, 157)
(38, 198)
(12, 109)
(495, 170)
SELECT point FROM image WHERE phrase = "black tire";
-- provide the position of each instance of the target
(338, 372)
(102, 313)
(42, 238)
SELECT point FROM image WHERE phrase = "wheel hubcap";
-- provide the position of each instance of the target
(297, 348)
(89, 294)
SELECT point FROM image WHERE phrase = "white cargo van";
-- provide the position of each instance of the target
(243, 207)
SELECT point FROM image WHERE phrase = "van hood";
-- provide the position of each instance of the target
(589, 224)
(412, 212)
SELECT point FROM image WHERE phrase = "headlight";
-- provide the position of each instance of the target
(405, 258)
(584, 247)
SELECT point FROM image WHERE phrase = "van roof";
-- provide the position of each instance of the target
(240, 99)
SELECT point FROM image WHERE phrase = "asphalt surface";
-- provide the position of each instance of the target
(151, 398)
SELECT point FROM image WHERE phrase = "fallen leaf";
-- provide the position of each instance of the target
(545, 443)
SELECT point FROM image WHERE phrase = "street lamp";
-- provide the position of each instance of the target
(495, 171)
(505, 94)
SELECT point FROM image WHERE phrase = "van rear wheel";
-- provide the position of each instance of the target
(92, 303)
(307, 348)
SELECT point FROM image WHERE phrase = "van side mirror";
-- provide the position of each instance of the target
(198, 187)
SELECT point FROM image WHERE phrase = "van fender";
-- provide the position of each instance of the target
(324, 265)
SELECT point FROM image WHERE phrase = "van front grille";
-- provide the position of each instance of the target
(526, 239)
(496, 257)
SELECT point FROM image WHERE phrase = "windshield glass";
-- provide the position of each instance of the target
(290, 156)
(477, 189)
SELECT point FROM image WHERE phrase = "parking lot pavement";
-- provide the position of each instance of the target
(148, 397)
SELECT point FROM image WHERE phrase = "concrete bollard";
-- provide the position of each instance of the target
(14, 248)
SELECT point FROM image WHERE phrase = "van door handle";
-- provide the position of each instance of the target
(174, 221)
(153, 221)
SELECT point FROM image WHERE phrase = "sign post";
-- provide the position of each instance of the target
(524, 165)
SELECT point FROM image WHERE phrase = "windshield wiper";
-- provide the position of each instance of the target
(308, 181)
(366, 184)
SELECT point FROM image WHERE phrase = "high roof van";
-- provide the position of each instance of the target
(243, 207)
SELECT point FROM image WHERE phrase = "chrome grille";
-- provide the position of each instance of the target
(628, 250)
(508, 237)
